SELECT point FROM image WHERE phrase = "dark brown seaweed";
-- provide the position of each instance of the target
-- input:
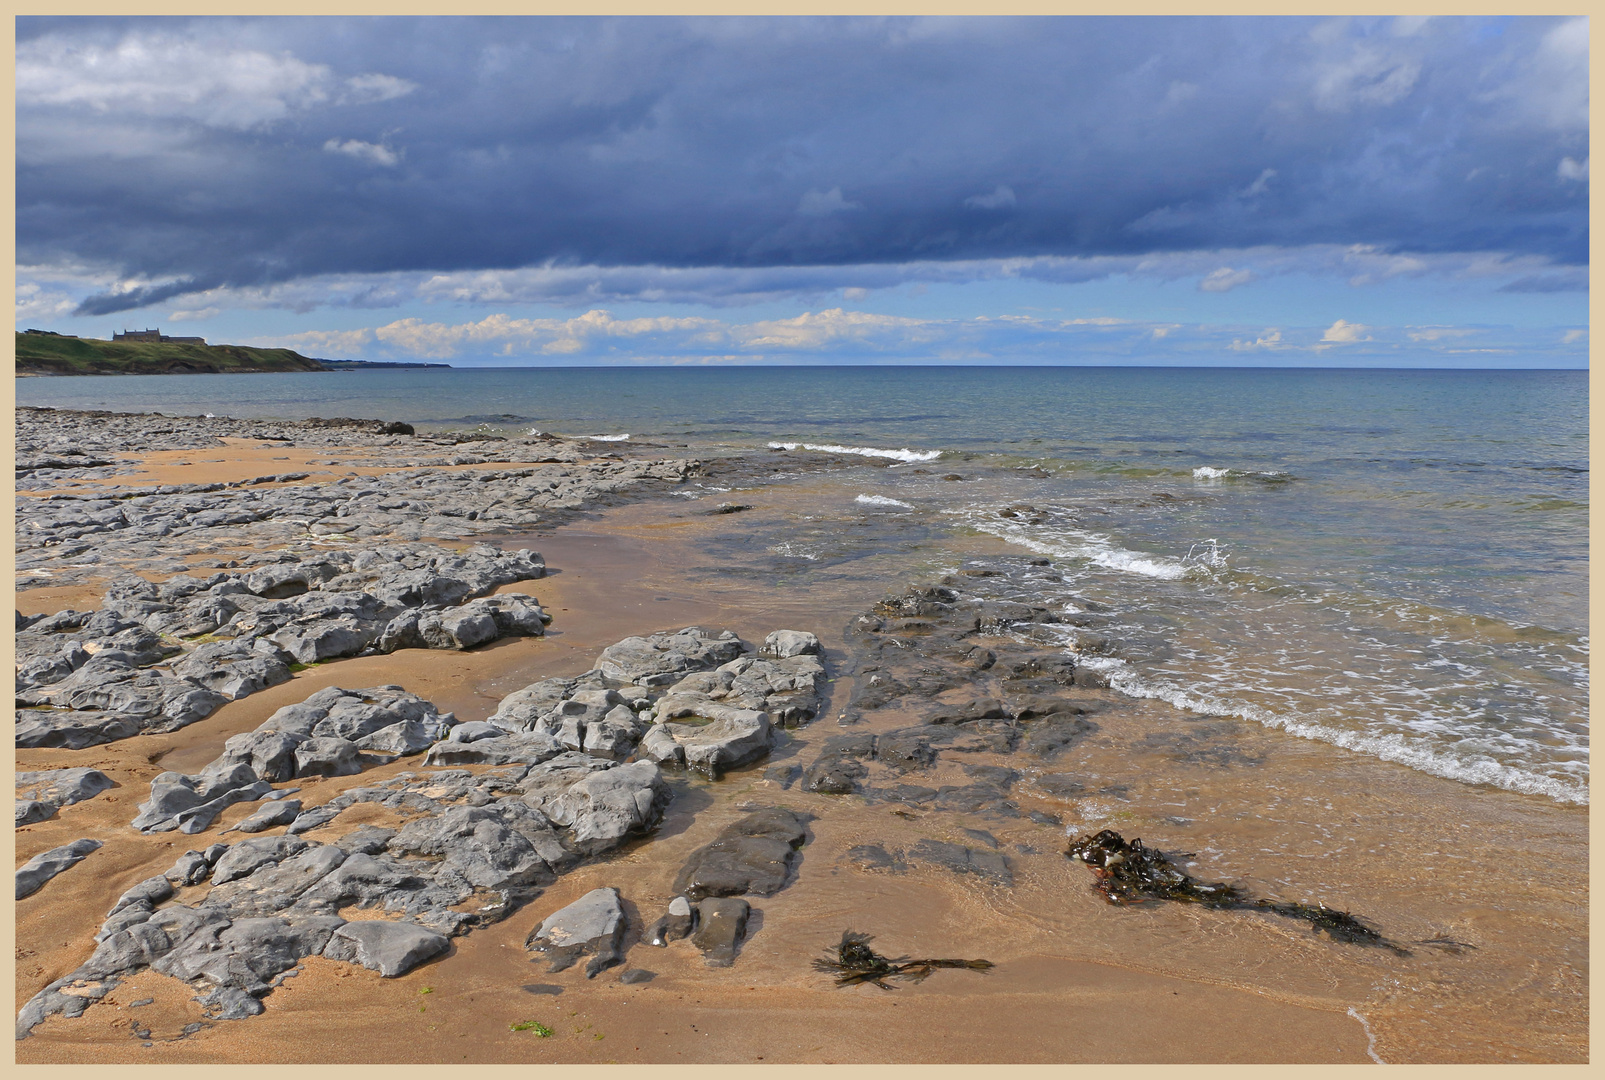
(1132, 873)
(855, 962)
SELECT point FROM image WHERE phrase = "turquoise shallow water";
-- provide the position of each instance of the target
(1393, 561)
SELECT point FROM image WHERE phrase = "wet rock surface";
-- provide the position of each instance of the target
(592, 925)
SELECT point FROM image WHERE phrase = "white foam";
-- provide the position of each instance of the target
(1392, 747)
(794, 551)
(882, 500)
(1205, 472)
(1370, 1039)
(608, 438)
(1093, 547)
(904, 454)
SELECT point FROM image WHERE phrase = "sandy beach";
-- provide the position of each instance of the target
(1076, 979)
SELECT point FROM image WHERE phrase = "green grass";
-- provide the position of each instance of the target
(39, 354)
(533, 1025)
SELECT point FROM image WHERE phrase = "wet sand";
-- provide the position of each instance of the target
(1076, 981)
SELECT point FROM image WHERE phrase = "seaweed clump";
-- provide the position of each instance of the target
(855, 962)
(1130, 873)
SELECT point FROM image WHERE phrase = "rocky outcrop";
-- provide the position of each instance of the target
(97, 674)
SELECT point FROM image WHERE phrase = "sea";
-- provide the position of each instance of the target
(1391, 562)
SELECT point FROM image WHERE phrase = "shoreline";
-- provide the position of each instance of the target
(617, 571)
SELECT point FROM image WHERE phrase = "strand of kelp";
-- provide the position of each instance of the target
(1129, 873)
(855, 962)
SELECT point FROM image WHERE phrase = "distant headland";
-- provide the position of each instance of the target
(151, 352)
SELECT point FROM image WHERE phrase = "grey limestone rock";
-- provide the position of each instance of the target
(32, 875)
(30, 811)
(592, 924)
(269, 817)
(721, 927)
(63, 787)
(190, 869)
(786, 643)
(528, 747)
(660, 659)
(988, 865)
(605, 807)
(676, 923)
(243, 858)
(390, 948)
(327, 757)
(754, 855)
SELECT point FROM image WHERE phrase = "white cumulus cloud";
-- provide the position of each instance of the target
(1343, 333)
(1225, 279)
(1571, 169)
(1270, 339)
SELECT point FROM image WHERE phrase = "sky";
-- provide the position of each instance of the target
(1323, 192)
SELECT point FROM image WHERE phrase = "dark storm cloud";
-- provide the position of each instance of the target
(186, 154)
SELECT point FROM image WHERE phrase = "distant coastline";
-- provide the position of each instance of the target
(44, 353)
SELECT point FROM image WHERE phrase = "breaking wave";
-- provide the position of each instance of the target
(904, 454)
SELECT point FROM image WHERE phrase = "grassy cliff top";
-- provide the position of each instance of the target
(42, 354)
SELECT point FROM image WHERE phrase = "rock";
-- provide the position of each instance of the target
(72, 731)
(234, 668)
(592, 924)
(733, 737)
(659, 746)
(907, 748)
(676, 924)
(403, 739)
(327, 639)
(191, 803)
(751, 856)
(837, 769)
(269, 754)
(660, 659)
(615, 734)
(245, 857)
(457, 628)
(604, 807)
(150, 892)
(63, 787)
(873, 857)
(979, 709)
(476, 729)
(721, 926)
(637, 975)
(270, 816)
(390, 948)
(478, 844)
(190, 869)
(366, 840)
(528, 748)
(989, 865)
(30, 811)
(784, 775)
(1052, 737)
(32, 875)
(327, 757)
(781, 644)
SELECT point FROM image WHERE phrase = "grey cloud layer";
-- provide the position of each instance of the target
(189, 155)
